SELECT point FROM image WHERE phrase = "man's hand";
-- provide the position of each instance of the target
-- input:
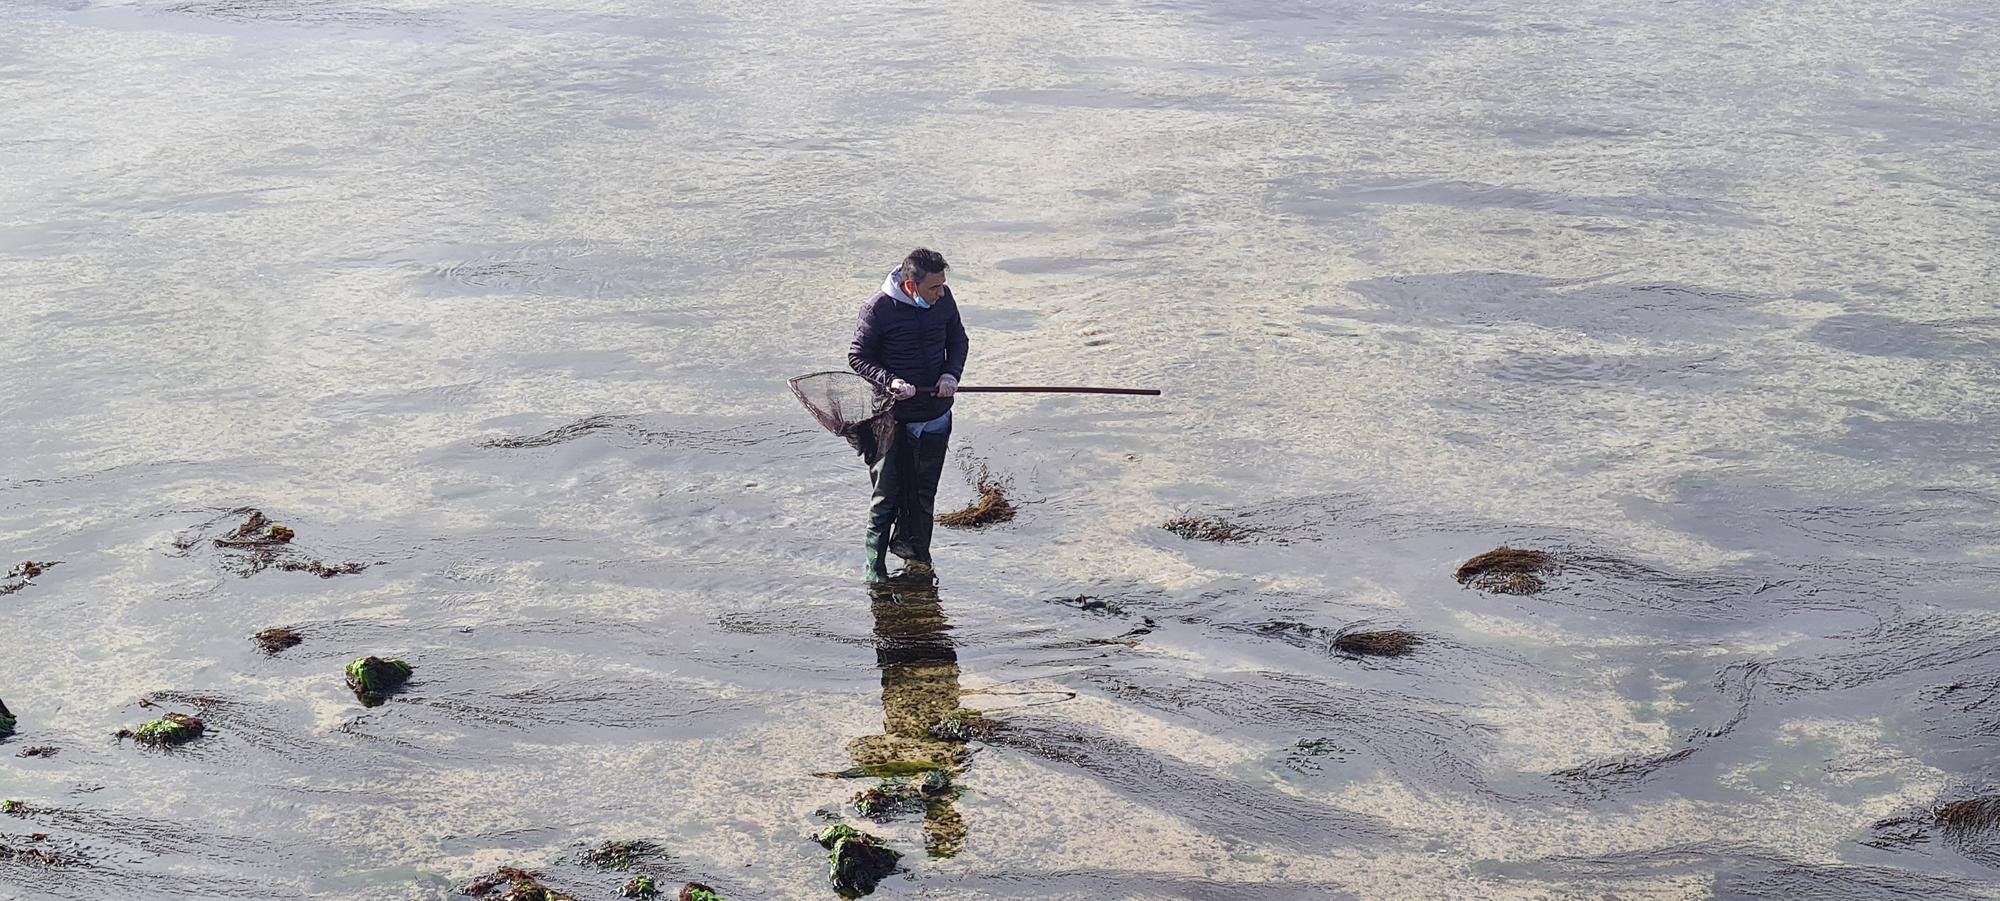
(901, 389)
(947, 385)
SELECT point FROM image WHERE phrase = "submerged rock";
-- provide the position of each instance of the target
(962, 726)
(621, 855)
(275, 640)
(168, 731)
(990, 507)
(859, 861)
(373, 677)
(1206, 529)
(39, 751)
(7, 720)
(695, 891)
(1507, 570)
(256, 530)
(1385, 643)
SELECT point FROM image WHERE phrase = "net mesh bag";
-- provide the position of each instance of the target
(852, 407)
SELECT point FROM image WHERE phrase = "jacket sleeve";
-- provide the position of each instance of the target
(864, 355)
(955, 345)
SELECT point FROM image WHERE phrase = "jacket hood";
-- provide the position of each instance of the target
(893, 286)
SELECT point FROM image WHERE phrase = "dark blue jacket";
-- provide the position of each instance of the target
(896, 340)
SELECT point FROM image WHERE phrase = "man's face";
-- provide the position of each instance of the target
(930, 290)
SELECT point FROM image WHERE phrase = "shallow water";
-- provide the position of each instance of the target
(499, 300)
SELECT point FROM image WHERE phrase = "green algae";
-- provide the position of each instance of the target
(168, 731)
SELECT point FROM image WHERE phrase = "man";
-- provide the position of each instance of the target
(910, 342)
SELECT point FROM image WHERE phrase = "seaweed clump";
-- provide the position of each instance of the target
(640, 887)
(695, 891)
(167, 731)
(1384, 643)
(961, 726)
(621, 855)
(859, 861)
(1507, 570)
(34, 857)
(7, 720)
(257, 544)
(1967, 818)
(19, 577)
(990, 507)
(522, 885)
(895, 794)
(14, 808)
(276, 640)
(372, 678)
(1214, 528)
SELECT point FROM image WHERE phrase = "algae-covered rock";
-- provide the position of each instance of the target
(858, 860)
(167, 731)
(276, 640)
(1507, 570)
(640, 887)
(961, 726)
(621, 855)
(7, 720)
(14, 808)
(375, 676)
(695, 891)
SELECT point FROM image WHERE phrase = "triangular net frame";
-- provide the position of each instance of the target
(852, 407)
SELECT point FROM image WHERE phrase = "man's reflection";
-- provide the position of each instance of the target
(919, 688)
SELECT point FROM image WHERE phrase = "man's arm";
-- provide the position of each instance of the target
(955, 345)
(866, 350)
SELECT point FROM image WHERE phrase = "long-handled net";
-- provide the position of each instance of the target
(855, 409)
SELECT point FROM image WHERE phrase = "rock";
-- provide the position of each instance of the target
(1507, 570)
(963, 726)
(1386, 643)
(621, 855)
(168, 731)
(14, 808)
(695, 891)
(39, 751)
(859, 861)
(639, 887)
(372, 677)
(7, 720)
(275, 640)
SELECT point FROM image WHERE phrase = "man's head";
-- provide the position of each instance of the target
(923, 274)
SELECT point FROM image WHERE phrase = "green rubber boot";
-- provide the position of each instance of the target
(877, 570)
